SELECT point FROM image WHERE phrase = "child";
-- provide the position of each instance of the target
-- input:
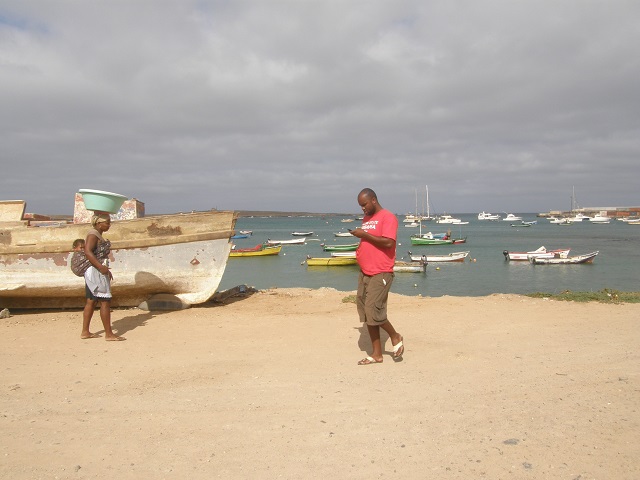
(78, 245)
(79, 262)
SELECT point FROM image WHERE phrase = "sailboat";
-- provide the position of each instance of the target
(427, 217)
(410, 219)
(577, 216)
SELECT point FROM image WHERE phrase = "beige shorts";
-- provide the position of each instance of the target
(371, 301)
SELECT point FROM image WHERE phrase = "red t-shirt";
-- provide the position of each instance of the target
(372, 259)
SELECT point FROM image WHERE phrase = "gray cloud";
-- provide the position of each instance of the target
(290, 105)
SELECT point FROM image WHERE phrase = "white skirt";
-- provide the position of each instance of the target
(99, 284)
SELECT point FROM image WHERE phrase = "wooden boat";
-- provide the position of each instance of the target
(577, 259)
(343, 234)
(456, 241)
(331, 261)
(293, 241)
(344, 254)
(238, 236)
(450, 257)
(182, 254)
(257, 251)
(301, 234)
(417, 240)
(349, 247)
(541, 252)
(409, 267)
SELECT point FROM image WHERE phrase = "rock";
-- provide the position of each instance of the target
(5, 313)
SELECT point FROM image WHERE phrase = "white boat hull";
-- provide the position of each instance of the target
(171, 254)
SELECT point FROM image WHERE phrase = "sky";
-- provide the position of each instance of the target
(499, 106)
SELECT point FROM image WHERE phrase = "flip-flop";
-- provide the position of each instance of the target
(368, 361)
(398, 349)
(93, 335)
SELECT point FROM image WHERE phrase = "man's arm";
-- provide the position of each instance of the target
(381, 242)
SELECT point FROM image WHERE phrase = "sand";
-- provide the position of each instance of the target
(268, 386)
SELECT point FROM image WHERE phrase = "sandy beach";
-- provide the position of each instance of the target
(268, 386)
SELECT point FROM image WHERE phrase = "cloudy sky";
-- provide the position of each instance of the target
(297, 105)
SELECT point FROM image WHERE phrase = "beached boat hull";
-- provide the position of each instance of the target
(184, 255)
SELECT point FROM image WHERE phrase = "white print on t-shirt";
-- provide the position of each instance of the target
(370, 225)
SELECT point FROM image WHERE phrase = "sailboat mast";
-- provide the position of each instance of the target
(428, 213)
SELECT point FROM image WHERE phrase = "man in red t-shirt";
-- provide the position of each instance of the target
(376, 256)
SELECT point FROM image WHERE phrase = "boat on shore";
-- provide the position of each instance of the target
(449, 257)
(180, 254)
(260, 250)
(541, 252)
(577, 259)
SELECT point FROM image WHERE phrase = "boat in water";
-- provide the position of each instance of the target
(180, 254)
(512, 218)
(541, 252)
(331, 261)
(410, 267)
(449, 257)
(577, 259)
(349, 247)
(260, 250)
(293, 241)
(488, 216)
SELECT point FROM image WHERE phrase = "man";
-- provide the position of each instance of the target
(376, 256)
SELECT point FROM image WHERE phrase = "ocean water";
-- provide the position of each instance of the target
(485, 272)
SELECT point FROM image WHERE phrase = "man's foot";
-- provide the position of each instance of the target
(368, 361)
(115, 338)
(85, 336)
(398, 349)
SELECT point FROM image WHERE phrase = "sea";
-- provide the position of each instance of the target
(485, 272)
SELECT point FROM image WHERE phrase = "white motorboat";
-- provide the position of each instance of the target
(488, 216)
(450, 220)
(512, 218)
(578, 217)
(600, 218)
